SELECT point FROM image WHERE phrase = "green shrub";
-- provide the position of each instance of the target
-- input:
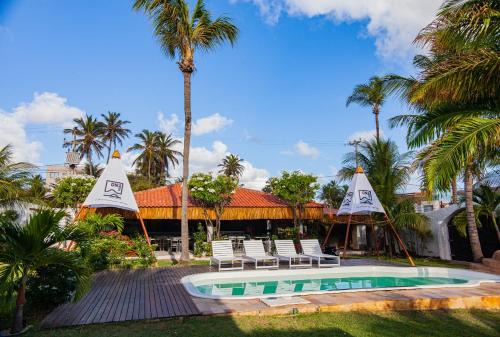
(145, 252)
(51, 285)
(106, 251)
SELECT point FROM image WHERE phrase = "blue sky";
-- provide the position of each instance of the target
(277, 98)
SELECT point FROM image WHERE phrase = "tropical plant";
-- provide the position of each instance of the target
(181, 34)
(36, 190)
(72, 191)
(148, 154)
(88, 132)
(212, 194)
(372, 94)
(232, 166)
(114, 131)
(95, 223)
(167, 155)
(486, 202)
(456, 99)
(140, 183)
(297, 189)
(332, 194)
(30, 246)
(13, 178)
(94, 170)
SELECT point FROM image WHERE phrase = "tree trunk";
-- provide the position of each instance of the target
(109, 151)
(91, 169)
(454, 196)
(475, 244)
(294, 212)
(376, 111)
(18, 320)
(185, 166)
(495, 225)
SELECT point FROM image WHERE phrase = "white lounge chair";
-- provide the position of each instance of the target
(313, 249)
(222, 253)
(285, 251)
(254, 251)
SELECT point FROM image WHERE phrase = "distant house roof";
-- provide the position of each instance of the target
(170, 196)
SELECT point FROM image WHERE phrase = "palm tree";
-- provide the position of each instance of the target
(487, 201)
(89, 133)
(456, 98)
(167, 156)
(372, 94)
(30, 246)
(37, 188)
(181, 33)
(231, 166)
(13, 177)
(147, 147)
(114, 130)
(332, 193)
(94, 170)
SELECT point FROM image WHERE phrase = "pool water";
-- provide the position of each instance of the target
(294, 287)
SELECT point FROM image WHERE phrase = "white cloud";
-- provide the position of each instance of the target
(128, 159)
(210, 124)
(306, 150)
(364, 135)
(45, 109)
(392, 23)
(254, 177)
(167, 125)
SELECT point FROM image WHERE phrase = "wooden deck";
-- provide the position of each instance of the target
(123, 295)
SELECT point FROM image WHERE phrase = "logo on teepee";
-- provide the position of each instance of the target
(348, 199)
(113, 189)
(365, 197)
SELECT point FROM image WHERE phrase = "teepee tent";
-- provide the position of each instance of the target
(361, 199)
(112, 190)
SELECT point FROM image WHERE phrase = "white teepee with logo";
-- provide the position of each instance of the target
(360, 197)
(112, 189)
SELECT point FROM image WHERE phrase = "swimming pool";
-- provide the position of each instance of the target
(278, 283)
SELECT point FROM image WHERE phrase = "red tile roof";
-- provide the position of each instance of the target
(170, 196)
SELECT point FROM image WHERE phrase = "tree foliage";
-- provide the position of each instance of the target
(332, 194)
(72, 191)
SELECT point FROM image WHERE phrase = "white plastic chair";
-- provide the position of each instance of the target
(254, 251)
(285, 251)
(313, 249)
(222, 252)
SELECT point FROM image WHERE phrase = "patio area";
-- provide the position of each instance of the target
(139, 294)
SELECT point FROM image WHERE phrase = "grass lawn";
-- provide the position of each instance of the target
(170, 263)
(420, 261)
(398, 324)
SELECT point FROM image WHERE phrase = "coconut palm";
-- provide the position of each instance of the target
(114, 131)
(456, 99)
(94, 170)
(13, 177)
(89, 132)
(372, 94)
(231, 166)
(147, 147)
(181, 34)
(30, 246)
(37, 190)
(167, 155)
(333, 193)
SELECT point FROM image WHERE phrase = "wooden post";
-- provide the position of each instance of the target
(138, 214)
(327, 237)
(347, 236)
(401, 244)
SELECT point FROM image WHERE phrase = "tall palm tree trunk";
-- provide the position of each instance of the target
(18, 322)
(376, 112)
(495, 225)
(475, 244)
(89, 158)
(454, 195)
(185, 166)
(109, 150)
